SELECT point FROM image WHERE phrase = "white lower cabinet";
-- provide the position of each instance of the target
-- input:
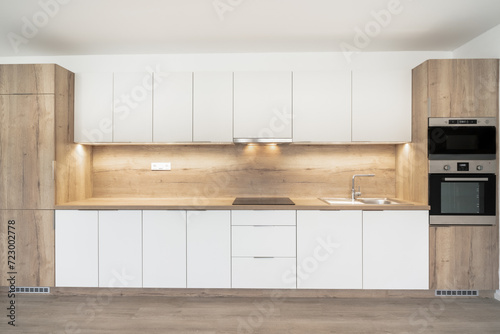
(164, 249)
(208, 249)
(396, 250)
(120, 249)
(264, 249)
(76, 253)
(264, 273)
(329, 250)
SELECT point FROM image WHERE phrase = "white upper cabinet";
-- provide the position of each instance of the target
(263, 105)
(213, 107)
(93, 107)
(322, 106)
(173, 107)
(381, 106)
(133, 107)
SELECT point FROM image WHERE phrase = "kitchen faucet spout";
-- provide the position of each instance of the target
(355, 193)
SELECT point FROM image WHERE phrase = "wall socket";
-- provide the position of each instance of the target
(161, 166)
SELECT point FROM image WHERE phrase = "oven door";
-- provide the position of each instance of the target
(462, 199)
(462, 143)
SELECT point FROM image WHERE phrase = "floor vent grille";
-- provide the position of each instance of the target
(32, 290)
(455, 293)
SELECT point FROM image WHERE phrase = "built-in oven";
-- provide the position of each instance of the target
(462, 138)
(462, 192)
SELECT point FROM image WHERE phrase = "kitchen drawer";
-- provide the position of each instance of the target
(263, 217)
(264, 273)
(252, 241)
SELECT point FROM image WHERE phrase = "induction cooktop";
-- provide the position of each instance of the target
(263, 201)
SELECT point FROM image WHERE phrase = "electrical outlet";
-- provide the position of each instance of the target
(161, 166)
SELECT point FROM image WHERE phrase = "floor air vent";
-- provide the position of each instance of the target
(455, 293)
(32, 290)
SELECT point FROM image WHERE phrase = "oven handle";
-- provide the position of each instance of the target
(458, 179)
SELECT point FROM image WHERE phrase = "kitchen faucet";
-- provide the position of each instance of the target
(355, 193)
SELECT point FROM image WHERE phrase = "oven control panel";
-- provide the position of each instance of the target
(456, 166)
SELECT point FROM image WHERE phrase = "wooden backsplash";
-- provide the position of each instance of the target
(236, 170)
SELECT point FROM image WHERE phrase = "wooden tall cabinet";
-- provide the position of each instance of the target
(38, 163)
(461, 257)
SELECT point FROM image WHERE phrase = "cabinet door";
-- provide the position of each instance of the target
(213, 107)
(329, 250)
(322, 106)
(164, 249)
(173, 107)
(133, 108)
(120, 249)
(396, 250)
(463, 87)
(77, 248)
(264, 273)
(263, 217)
(27, 152)
(381, 106)
(208, 249)
(93, 107)
(274, 241)
(263, 105)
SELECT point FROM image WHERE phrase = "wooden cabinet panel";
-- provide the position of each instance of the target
(329, 250)
(27, 79)
(464, 257)
(34, 237)
(164, 249)
(77, 258)
(173, 107)
(27, 152)
(463, 87)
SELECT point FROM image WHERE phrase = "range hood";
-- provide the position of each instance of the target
(262, 140)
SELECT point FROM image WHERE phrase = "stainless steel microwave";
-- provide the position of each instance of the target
(462, 138)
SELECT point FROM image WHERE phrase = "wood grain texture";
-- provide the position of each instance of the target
(228, 171)
(464, 257)
(73, 162)
(26, 151)
(463, 87)
(27, 79)
(102, 313)
(411, 159)
(34, 232)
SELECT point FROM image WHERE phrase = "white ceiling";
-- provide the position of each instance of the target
(82, 27)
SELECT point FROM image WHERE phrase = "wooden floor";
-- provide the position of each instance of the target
(105, 314)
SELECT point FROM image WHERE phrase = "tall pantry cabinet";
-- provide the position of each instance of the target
(37, 160)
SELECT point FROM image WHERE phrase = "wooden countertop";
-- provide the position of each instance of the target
(222, 204)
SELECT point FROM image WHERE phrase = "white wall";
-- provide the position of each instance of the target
(234, 62)
(486, 45)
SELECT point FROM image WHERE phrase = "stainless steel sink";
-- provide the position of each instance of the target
(341, 201)
(373, 201)
(378, 201)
